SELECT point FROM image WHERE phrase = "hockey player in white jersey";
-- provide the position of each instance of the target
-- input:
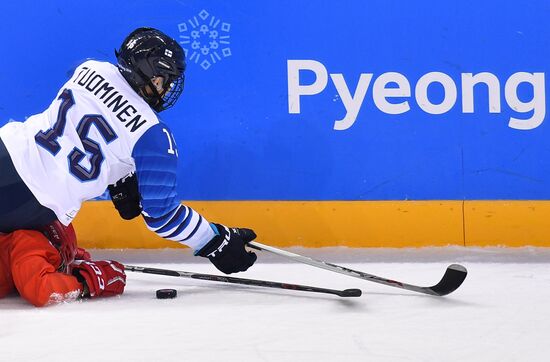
(103, 131)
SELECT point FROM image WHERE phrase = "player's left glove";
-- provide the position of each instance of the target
(126, 197)
(226, 250)
(103, 278)
(82, 254)
(63, 238)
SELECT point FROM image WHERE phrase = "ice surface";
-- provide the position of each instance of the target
(499, 314)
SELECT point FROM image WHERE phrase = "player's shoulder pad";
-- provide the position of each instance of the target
(157, 140)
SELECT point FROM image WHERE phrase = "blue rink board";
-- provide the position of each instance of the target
(236, 135)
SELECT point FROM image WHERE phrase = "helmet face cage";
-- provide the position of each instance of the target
(148, 53)
(173, 89)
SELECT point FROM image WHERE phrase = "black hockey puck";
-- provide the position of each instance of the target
(166, 293)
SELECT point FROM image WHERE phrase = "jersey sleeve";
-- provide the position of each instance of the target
(156, 157)
(34, 263)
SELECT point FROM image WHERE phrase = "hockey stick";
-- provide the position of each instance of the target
(452, 279)
(258, 283)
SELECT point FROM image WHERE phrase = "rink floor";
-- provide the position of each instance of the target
(501, 313)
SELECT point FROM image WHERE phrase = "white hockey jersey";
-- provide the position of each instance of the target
(96, 131)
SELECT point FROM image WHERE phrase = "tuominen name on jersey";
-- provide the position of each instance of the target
(96, 84)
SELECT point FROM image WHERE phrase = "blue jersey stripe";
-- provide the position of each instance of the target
(158, 222)
(176, 220)
(194, 230)
(182, 226)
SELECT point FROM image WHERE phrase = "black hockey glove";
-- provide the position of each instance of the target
(126, 197)
(226, 250)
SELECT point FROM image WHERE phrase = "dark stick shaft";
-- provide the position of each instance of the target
(242, 281)
(452, 279)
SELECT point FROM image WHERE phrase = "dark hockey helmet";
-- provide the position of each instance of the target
(148, 53)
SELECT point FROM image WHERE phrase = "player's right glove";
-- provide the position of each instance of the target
(126, 197)
(103, 278)
(226, 250)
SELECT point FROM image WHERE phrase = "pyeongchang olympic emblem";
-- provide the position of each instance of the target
(205, 39)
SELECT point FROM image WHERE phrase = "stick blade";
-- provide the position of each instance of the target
(452, 279)
(351, 293)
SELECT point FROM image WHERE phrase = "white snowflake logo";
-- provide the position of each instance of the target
(205, 41)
